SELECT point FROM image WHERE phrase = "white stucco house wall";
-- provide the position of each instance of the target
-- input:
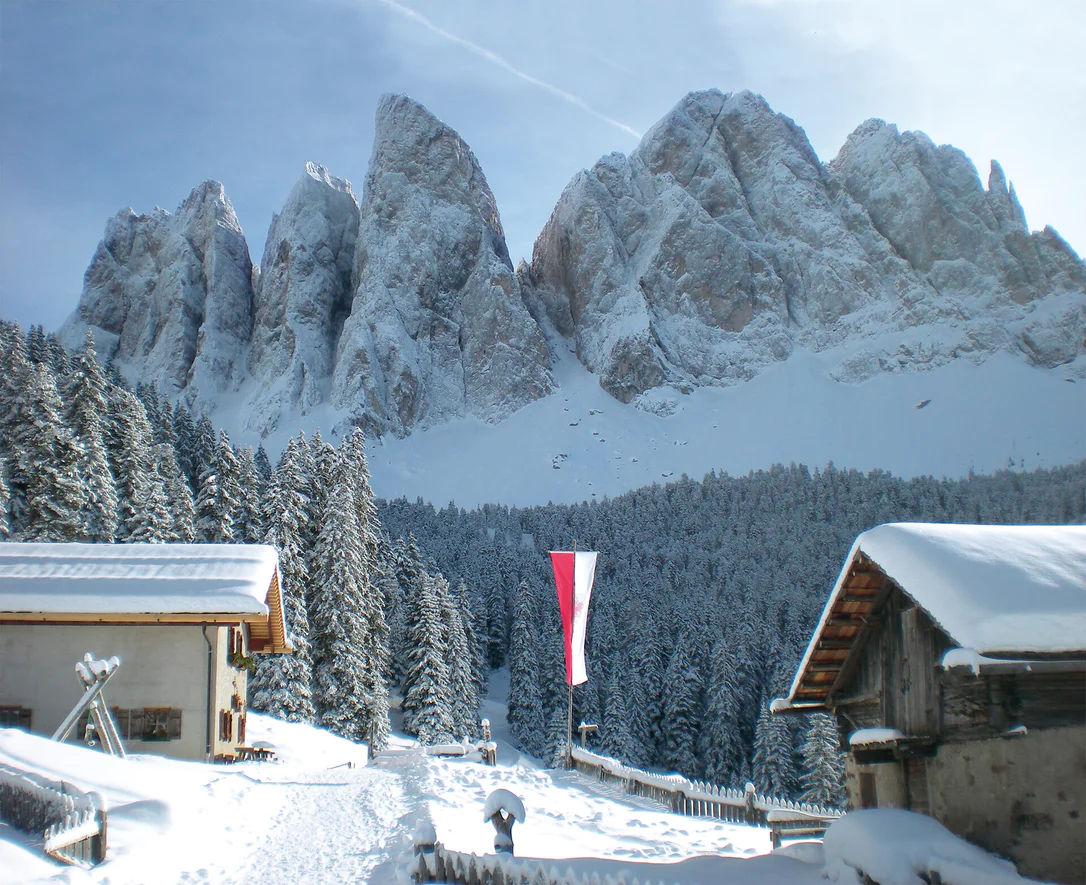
(184, 619)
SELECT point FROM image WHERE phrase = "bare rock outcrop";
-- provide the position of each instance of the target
(171, 295)
(438, 326)
(303, 295)
(722, 242)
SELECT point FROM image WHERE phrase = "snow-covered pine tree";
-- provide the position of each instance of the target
(722, 744)
(252, 486)
(282, 684)
(350, 639)
(462, 689)
(683, 710)
(616, 735)
(218, 503)
(525, 702)
(479, 669)
(205, 445)
(178, 494)
(823, 762)
(37, 350)
(144, 506)
(427, 700)
(50, 458)
(377, 648)
(184, 429)
(88, 408)
(15, 373)
(774, 771)
(5, 502)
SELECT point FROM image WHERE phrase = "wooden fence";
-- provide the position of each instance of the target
(71, 823)
(699, 799)
(435, 863)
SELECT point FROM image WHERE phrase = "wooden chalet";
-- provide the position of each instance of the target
(954, 657)
(184, 620)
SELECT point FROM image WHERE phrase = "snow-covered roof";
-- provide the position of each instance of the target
(994, 589)
(990, 588)
(112, 579)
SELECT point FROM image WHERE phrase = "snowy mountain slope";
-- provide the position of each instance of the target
(580, 444)
(721, 266)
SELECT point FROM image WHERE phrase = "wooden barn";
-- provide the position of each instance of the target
(954, 657)
(184, 619)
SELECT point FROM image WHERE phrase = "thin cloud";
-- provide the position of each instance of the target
(496, 59)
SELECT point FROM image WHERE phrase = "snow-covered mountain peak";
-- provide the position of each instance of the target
(716, 250)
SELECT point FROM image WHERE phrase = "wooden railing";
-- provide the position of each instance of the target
(71, 823)
(700, 799)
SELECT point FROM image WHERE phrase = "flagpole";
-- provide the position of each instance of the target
(569, 722)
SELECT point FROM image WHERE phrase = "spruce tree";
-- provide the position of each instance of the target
(774, 763)
(823, 762)
(218, 504)
(5, 502)
(427, 701)
(682, 712)
(88, 408)
(282, 684)
(463, 692)
(525, 703)
(181, 506)
(144, 504)
(350, 639)
(50, 458)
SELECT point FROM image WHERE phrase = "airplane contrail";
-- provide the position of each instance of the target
(496, 59)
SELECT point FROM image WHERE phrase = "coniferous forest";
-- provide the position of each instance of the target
(704, 598)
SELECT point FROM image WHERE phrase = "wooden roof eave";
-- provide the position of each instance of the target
(836, 651)
(272, 639)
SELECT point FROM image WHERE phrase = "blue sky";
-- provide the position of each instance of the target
(114, 104)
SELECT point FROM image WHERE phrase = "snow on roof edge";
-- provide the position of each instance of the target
(145, 579)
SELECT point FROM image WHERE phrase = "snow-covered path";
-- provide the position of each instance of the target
(318, 827)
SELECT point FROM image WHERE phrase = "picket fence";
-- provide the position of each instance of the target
(435, 863)
(700, 799)
(72, 823)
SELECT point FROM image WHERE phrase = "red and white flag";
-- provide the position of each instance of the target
(573, 576)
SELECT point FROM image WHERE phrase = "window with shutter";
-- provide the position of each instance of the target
(156, 724)
(135, 724)
(241, 729)
(120, 719)
(15, 717)
(173, 725)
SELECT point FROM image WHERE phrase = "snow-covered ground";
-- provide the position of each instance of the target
(310, 818)
(580, 444)
(320, 814)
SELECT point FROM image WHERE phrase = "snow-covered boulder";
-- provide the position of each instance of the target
(896, 847)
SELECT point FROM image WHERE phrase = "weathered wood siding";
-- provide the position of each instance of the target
(896, 680)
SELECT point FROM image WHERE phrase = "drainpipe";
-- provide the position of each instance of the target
(210, 693)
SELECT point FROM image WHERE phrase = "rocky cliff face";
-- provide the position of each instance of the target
(303, 295)
(714, 249)
(438, 326)
(171, 295)
(722, 242)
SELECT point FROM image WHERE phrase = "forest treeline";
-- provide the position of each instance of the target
(705, 590)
